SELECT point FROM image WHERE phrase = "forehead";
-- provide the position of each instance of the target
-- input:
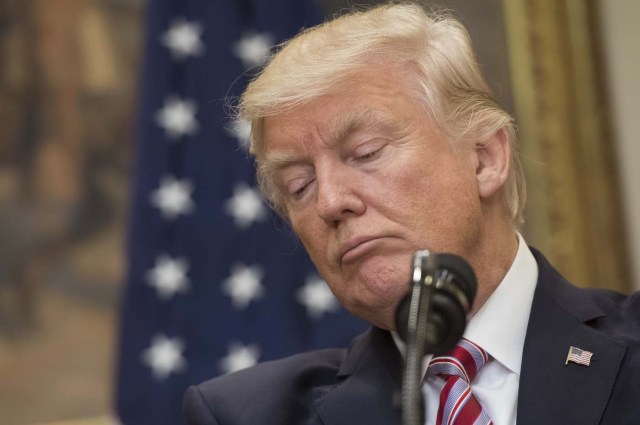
(367, 100)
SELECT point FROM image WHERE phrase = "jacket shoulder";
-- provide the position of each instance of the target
(611, 312)
(274, 392)
(622, 314)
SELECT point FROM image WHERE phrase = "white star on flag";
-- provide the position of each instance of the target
(183, 39)
(243, 286)
(245, 206)
(164, 356)
(316, 296)
(241, 130)
(169, 276)
(239, 357)
(173, 197)
(178, 118)
(253, 48)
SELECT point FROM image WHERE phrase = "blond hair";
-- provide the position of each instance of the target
(444, 77)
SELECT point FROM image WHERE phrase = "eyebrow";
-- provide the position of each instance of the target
(339, 129)
(347, 124)
(276, 161)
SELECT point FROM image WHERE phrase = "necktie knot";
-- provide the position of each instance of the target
(458, 367)
(463, 361)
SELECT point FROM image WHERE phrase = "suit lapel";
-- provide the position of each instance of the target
(371, 389)
(550, 391)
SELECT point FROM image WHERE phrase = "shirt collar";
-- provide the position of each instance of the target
(500, 326)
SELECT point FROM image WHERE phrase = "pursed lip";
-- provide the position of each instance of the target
(353, 243)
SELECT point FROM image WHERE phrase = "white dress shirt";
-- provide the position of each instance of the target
(499, 327)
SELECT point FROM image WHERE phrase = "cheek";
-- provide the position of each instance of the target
(438, 208)
(314, 239)
(409, 195)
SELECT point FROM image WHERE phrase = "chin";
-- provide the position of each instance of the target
(375, 290)
(377, 300)
(384, 279)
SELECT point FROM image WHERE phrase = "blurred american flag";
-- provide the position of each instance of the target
(215, 281)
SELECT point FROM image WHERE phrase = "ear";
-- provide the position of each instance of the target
(493, 164)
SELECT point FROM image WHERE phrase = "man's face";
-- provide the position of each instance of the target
(367, 180)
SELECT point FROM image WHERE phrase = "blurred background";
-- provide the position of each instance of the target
(69, 72)
(78, 169)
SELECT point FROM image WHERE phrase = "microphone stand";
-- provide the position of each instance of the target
(423, 284)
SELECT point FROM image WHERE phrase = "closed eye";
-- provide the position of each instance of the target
(370, 155)
(297, 194)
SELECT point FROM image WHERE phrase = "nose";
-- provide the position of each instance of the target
(338, 195)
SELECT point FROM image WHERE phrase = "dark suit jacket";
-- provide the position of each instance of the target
(360, 385)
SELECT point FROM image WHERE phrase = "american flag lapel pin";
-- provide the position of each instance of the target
(579, 356)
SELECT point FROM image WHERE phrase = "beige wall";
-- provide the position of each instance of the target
(621, 37)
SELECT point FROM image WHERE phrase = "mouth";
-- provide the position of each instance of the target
(355, 248)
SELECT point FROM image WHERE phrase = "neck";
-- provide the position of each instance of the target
(493, 260)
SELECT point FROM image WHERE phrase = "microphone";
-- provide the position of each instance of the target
(431, 319)
(452, 284)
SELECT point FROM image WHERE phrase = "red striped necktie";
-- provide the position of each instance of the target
(458, 405)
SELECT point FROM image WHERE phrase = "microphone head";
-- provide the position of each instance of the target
(462, 273)
(453, 292)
